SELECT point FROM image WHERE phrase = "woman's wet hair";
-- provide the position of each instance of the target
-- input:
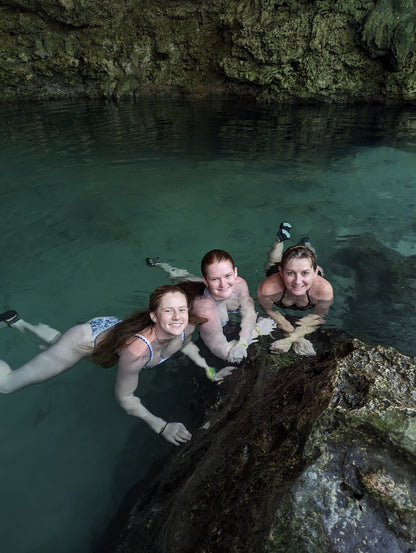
(157, 295)
(215, 256)
(105, 353)
(299, 252)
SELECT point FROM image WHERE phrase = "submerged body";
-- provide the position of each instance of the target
(225, 292)
(142, 341)
(296, 285)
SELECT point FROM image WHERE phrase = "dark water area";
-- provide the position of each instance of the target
(89, 190)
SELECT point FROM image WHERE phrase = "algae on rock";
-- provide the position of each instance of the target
(311, 456)
(284, 51)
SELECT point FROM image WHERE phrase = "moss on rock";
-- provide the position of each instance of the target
(310, 456)
(293, 50)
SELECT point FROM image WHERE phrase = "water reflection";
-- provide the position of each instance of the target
(206, 127)
(89, 190)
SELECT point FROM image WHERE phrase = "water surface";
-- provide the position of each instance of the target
(89, 190)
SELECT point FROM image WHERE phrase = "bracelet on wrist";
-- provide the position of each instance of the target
(163, 429)
(210, 372)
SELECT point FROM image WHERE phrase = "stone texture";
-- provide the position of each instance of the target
(273, 50)
(303, 455)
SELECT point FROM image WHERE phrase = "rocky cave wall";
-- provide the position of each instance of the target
(272, 50)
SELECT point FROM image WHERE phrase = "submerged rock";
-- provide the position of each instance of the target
(355, 264)
(297, 455)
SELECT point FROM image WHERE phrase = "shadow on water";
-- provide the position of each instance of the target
(89, 190)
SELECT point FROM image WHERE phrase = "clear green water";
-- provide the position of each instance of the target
(87, 191)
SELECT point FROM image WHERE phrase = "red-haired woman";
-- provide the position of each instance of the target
(142, 341)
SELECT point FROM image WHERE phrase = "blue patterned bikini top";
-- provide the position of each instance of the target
(146, 341)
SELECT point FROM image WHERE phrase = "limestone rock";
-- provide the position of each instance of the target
(302, 455)
(272, 50)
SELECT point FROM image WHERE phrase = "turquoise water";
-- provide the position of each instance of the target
(88, 191)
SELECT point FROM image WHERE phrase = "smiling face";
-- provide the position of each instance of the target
(220, 279)
(171, 316)
(298, 275)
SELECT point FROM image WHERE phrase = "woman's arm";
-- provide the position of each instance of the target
(247, 311)
(211, 330)
(248, 321)
(127, 381)
(266, 299)
(307, 325)
(192, 351)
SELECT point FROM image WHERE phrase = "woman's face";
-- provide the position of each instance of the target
(220, 279)
(298, 275)
(171, 317)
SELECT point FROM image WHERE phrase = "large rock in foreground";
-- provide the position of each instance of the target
(313, 455)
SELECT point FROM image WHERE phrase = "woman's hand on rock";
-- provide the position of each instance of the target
(176, 433)
(281, 346)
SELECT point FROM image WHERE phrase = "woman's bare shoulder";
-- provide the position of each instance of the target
(241, 286)
(137, 347)
(271, 285)
(323, 289)
(203, 305)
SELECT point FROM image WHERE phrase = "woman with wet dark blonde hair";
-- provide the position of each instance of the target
(141, 341)
(294, 282)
